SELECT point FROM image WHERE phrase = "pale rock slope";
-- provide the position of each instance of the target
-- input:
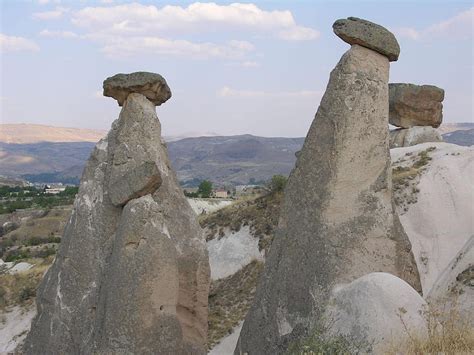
(205, 205)
(440, 223)
(14, 325)
(233, 251)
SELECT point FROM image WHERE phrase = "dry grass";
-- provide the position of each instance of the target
(260, 214)
(230, 300)
(449, 332)
(19, 289)
(405, 178)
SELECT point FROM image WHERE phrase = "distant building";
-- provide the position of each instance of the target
(53, 190)
(221, 193)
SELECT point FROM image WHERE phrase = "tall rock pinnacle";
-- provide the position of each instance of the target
(338, 220)
(132, 272)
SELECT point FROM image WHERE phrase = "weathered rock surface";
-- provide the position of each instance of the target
(415, 105)
(132, 272)
(337, 221)
(376, 310)
(152, 86)
(455, 286)
(354, 30)
(440, 223)
(406, 137)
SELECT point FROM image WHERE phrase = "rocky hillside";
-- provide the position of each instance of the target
(233, 159)
(461, 137)
(230, 159)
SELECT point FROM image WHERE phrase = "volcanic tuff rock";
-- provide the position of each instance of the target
(406, 137)
(152, 86)
(337, 221)
(132, 272)
(455, 286)
(354, 30)
(376, 309)
(415, 105)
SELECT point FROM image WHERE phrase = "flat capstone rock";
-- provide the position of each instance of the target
(153, 86)
(354, 30)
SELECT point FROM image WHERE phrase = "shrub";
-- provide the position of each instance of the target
(278, 183)
(26, 293)
(318, 344)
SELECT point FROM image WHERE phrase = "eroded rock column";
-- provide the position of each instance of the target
(338, 220)
(132, 272)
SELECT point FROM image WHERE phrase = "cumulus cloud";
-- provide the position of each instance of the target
(50, 15)
(229, 92)
(123, 47)
(134, 29)
(205, 17)
(459, 26)
(58, 34)
(15, 44)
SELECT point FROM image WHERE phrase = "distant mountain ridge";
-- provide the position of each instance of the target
(234, 160)
(24, 133)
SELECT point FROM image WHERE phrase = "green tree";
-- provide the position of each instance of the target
(205, 188)
(278, 183)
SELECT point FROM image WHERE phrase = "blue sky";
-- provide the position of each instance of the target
(255, 67)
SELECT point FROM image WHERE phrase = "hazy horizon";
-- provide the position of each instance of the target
(233, 69)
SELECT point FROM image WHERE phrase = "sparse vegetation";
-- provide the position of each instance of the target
(449, 332)
(230, 300)
(405, 178)
(19, 198)
(259, 213)
(318, 344)
(20, 288)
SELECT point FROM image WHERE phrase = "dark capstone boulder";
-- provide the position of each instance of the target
(354, 30)
(152, 86)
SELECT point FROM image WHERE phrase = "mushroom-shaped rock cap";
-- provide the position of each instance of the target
(152, 86)
(354, 30)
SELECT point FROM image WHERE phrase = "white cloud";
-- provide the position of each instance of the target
(134, 29)
(229, 92)
(13, 44)
(136, 18)
(459, 26)
(123, 47)
(44, 2)
(58, 34)
(50, 15)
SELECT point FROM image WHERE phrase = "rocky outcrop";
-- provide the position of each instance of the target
(376, 310)
(413, 136)
(440, 221)
(415, 105)
(354, 30)
(132, 272)
(337, 221)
